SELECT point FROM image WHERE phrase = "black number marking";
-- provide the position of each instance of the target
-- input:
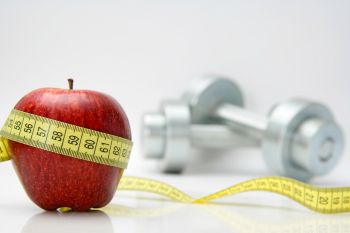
(261, 183)
(124, 152)
(28, 128)
(89, 144)
(323, 200)
(298, 192)
(73, 140)
(116, 150)
(309, 197)
(274, 184)
(41, 132)
(18, 125)
(104, 149)
(10, 124)
(336, 200)
(286, 187)
(57, 136)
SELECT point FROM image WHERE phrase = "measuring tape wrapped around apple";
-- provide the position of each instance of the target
(70, 147)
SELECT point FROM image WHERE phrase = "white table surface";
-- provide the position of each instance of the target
(142, 212)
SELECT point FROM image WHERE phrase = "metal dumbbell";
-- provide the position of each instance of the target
(169, 135)
(299, 138)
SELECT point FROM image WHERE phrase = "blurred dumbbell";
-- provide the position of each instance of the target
(168, 136)
(299, 138)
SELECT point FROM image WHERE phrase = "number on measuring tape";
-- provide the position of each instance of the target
(67, 139)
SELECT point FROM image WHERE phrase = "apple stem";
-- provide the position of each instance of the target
(70, 83)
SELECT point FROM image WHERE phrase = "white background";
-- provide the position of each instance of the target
(141, 52)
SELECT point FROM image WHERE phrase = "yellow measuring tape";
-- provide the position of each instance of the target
(323, 200)
(98, 147)
(65, 139)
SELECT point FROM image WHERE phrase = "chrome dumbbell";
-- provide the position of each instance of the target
(299, 138)
(169, 135)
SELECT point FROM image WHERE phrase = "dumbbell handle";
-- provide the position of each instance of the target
(219, 137)
(161, 130)
(247, 123)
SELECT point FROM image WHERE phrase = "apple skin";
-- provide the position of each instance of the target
(52, 180)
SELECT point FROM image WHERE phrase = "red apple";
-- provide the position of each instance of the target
(52, 180)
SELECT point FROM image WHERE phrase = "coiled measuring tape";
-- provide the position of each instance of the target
(82, 143)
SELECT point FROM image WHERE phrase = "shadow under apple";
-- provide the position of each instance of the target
(54, 221)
